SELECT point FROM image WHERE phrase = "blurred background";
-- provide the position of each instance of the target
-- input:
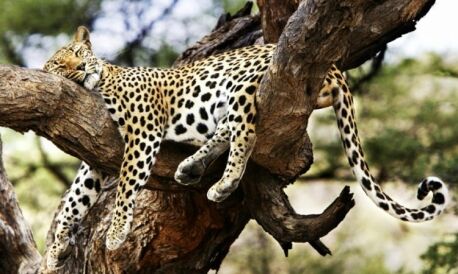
(407, 108)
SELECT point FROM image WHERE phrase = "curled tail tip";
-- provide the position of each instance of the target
(433, 184)
(434, 178)
(437, 187)
(438, 203)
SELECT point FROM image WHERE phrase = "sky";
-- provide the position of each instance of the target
(184, 25)
(436, 32)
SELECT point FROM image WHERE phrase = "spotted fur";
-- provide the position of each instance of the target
(210, 103)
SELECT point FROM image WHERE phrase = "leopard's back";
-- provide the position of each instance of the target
(200, 94)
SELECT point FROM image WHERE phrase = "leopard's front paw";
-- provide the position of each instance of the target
(91, 81)
(221, 190)
(116, 235)
(98, 68)
(58, 254)
(93, 66)
(189, 171)
(93, 70)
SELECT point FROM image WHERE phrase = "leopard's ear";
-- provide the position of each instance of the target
(82, 35)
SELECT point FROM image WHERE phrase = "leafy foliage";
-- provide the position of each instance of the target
(51, 17)
(23, 21)
(442, 257)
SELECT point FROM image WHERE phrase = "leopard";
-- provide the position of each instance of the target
(209, 103)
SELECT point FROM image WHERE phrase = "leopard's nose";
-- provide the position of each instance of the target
(81, 66)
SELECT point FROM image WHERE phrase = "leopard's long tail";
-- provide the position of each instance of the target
(343, 107)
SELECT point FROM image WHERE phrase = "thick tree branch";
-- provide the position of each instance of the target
(275, 15)
(61, 111)
(270, 207)
(318, 34)
(18, 251)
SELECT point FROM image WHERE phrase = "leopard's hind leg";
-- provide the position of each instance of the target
(82, 195)
(192, 168)
(238, 127)
(241, 117)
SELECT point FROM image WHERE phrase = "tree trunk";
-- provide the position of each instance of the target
(176, 229)
(18, 251)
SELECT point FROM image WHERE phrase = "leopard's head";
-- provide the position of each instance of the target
(70, 60)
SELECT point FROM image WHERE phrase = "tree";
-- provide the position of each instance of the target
(176, 229)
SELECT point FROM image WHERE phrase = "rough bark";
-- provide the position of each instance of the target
(402, 15)
(18, 251)
(176, 229)
(318, 34)
(274, 15)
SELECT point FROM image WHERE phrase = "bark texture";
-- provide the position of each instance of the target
(18, 251)
(176, 229)
(318, 34)
(274, 16)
